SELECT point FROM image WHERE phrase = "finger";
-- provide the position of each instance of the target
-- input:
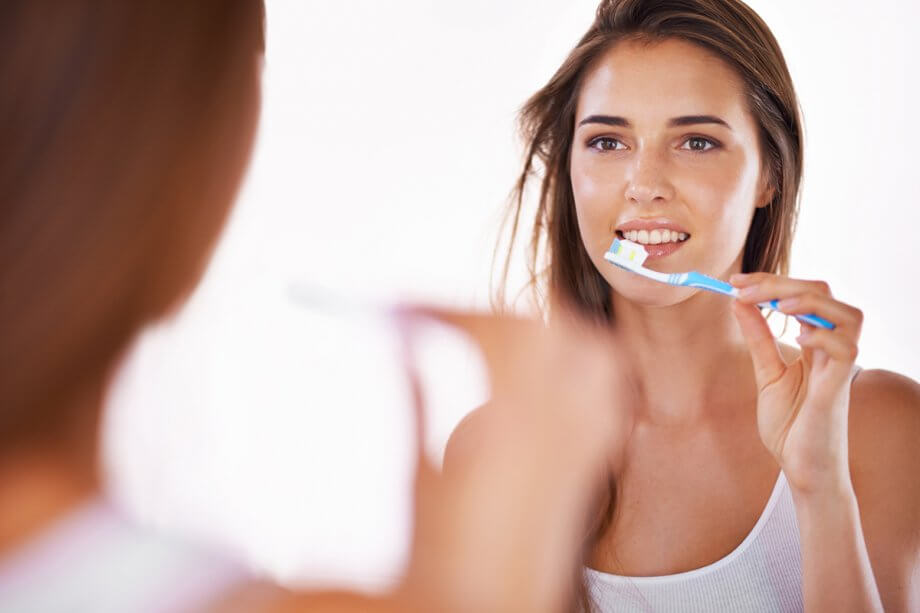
(500, 336)
(763, 287)
(846, 318)
(496, 336)
(837, 346)
(745, 279)
(768, 364)
(477, 325)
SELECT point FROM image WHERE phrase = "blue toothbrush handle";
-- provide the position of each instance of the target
(810, 318)
(697, 279)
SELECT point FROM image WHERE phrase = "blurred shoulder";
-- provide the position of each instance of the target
(264, 597)
(465, 439)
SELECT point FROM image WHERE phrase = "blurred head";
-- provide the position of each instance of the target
(679, 113)
(127, 127)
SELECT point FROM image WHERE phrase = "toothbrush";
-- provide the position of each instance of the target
(331, 302)
(631, 256)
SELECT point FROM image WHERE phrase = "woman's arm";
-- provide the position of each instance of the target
(501, 529)
(835, 562)
(884, 447)
(885, 468)
(521, 474)
(803, 412)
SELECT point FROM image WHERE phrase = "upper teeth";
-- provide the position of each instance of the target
(654, 237)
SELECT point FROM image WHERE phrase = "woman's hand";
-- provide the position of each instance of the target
(802, 407)
(504, 531)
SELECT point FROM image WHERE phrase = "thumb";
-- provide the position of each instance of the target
(768, 364)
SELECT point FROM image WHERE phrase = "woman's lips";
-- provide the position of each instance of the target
(663, 249)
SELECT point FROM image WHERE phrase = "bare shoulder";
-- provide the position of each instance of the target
(465, 440)
(885, 422)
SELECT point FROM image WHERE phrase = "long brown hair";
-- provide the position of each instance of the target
(558, 265)
(124, 141)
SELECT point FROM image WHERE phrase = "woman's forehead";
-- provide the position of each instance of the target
(652, 82)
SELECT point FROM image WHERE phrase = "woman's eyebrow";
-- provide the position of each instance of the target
(691, 120)
(686, 120)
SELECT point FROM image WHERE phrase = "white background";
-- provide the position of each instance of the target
(385, 154)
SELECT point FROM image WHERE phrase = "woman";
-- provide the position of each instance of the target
(757, 476)
(127, 127)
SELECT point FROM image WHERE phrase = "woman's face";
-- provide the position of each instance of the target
(664, 141)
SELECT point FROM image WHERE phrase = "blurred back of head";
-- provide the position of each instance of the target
(126, 129)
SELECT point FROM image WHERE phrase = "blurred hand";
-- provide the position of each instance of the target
(505, 533)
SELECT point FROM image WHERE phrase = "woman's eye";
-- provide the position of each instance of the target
(698, 143)
(605, 143)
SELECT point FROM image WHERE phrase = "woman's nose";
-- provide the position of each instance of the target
(648, 181)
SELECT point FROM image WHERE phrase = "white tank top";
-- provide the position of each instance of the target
(96, 561)
(764, 573)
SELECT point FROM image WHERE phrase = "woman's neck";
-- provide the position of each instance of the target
(686, 358)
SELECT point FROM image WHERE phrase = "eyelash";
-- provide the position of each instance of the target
(592, 144)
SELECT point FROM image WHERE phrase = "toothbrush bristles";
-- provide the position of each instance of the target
(628, 253)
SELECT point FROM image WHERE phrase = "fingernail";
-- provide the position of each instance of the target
(747, 292)
(787, 304)
(405, 317)
(401, 311)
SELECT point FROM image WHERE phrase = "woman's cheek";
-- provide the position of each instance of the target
(725, 184)
(592, 209)
(584, 187)
(709, 194)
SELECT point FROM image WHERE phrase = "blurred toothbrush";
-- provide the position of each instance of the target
(631, 256)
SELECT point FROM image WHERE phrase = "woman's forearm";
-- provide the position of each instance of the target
(836, 572)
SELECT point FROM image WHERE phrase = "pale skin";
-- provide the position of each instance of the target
(721, 407)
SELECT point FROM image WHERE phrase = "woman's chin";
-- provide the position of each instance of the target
(646, 292)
